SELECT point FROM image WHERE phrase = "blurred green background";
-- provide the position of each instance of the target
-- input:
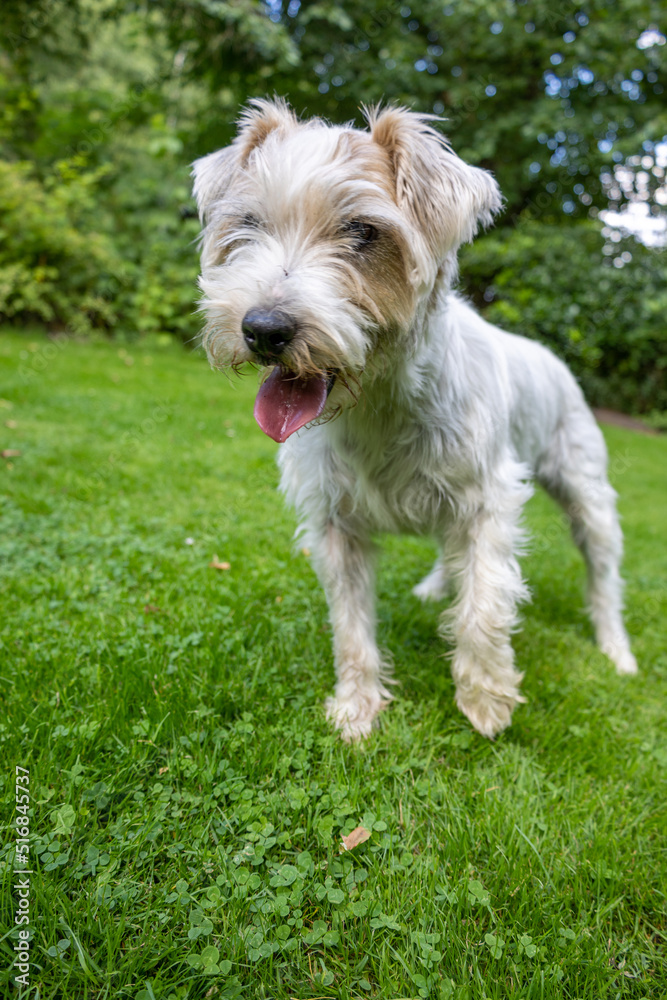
(104, 103)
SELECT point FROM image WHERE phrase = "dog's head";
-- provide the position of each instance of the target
(320, 243)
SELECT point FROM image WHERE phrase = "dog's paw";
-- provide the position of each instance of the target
(433, 587)
(621, 657)
(489, 713)
(354, 717)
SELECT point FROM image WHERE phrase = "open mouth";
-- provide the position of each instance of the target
(286, 402)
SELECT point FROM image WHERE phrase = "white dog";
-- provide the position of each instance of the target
(328, 256)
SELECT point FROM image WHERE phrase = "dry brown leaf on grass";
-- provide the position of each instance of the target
(216, 564)
(356, 837)
(152, 609)
(10, 452)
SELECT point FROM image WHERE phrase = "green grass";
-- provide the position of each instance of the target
(187, 795)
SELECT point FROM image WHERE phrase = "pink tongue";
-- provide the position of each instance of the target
(285, 402)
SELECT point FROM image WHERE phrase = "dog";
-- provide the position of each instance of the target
(328, 258)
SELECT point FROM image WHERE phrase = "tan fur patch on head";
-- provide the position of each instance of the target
(258, 121)
(402, 135)
(366, 161)
(392, 129)
(446, 198)
(378, 283)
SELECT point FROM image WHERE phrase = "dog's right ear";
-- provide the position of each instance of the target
(213, 174)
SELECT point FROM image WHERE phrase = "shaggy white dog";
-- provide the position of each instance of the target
(328, 256)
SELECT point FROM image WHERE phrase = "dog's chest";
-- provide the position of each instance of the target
(399, 478)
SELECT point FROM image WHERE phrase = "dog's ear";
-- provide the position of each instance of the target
(258, 120)
(446, 197)
(213, 174)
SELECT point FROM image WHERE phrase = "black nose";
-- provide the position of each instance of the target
(268, 332)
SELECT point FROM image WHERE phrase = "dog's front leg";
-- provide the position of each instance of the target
(481, 556)
(344, 563)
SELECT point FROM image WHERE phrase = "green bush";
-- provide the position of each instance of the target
(158, 240)
(600, 311)
(165, 298)
(83, 251)
(54, 264)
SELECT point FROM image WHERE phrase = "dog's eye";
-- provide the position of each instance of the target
(250, 221)
(361, 233)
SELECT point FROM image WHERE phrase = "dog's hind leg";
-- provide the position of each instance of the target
(344, 564)
(597, 532)
(575, 473)
(435, 584)
(481, 554)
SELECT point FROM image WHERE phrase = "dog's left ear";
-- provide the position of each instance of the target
(446, 198)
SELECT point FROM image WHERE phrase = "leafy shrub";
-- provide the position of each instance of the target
(165, 298)
(79, 251)
(54, 265)
(564, 286)
(161, 243)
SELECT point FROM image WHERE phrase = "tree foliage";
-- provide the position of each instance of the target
(103, 104)
(542, 93)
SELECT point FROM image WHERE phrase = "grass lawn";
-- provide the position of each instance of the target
(188, 797)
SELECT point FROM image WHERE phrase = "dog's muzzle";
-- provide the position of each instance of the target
(285, 401)
(267, 333)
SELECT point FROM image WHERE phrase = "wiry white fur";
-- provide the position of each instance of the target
(452, 417)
